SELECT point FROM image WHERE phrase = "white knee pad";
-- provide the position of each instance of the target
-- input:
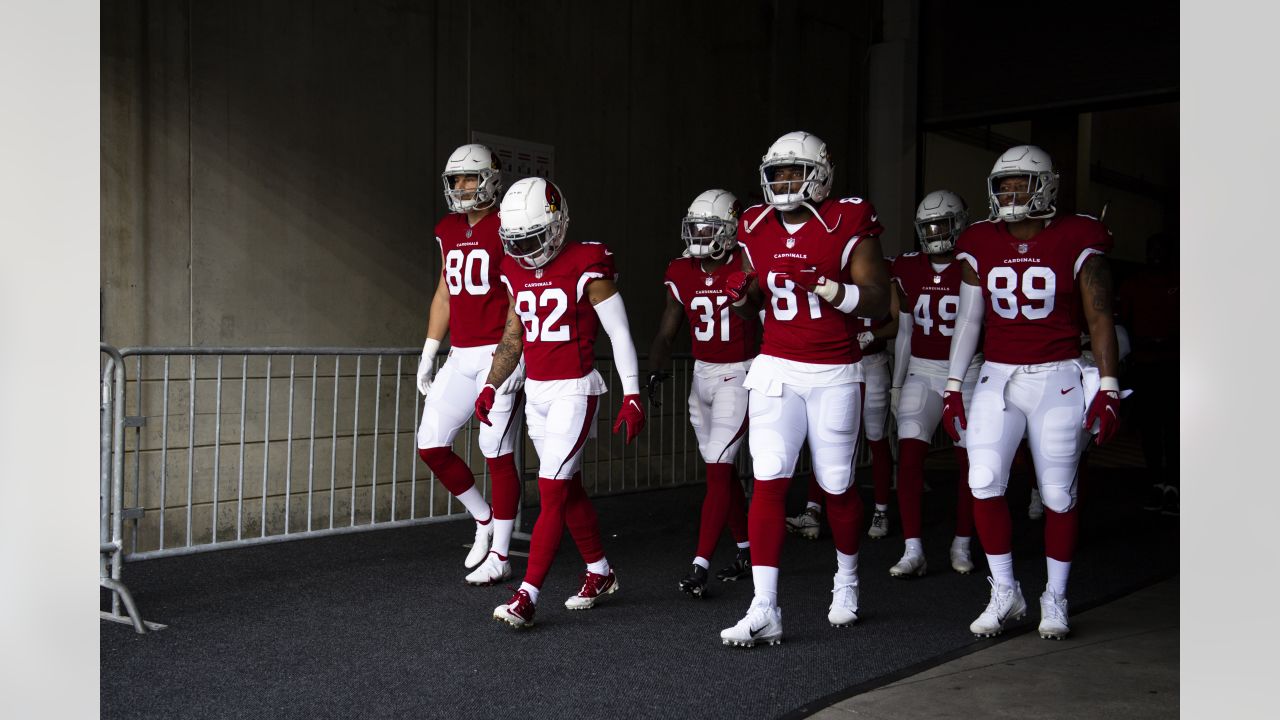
(833, 478)
(984, 474)
(1057, 499)
(911, 412)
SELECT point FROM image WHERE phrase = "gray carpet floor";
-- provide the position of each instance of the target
(380, 624)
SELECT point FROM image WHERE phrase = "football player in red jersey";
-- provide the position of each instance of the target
(872, 335)
(1028, 276)
(471, 306)
(927, 284)
(819, 269)
(561, 295)
(723, 345)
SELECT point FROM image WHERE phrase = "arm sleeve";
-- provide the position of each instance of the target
(964, 341)
(613, 318)
(902, 349)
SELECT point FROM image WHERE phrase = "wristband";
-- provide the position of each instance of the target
(1109, 384)
(827, 290)
(954, 385)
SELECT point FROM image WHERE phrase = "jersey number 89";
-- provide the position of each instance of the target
(1038, 284)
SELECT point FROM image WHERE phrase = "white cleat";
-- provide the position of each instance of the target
(480, 546)
(762, 624)
(1006, 604)
(910, 564)
(807, 524)
(1035, 509)
(1053, 616)
(492, 570)
(960, 561)
(844, 601)
(879, 525)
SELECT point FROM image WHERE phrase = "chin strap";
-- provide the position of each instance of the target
(822, 221)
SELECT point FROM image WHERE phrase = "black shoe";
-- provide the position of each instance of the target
(695, 583)
(739, 568)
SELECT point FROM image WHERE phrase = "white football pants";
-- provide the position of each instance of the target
(451, 402)
(1047, 402)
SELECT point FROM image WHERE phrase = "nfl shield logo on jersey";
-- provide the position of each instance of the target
(937, 279)
(709, 281)
(538, 273)
(1022, 248)
(791, 242)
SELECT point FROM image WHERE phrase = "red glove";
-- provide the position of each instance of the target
(735, 286)
(953, 411)
(803, 275)
(632, 413)
(484, 403)
(1105, 411)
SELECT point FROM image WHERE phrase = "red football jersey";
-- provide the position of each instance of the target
(869, 325)
(933, 299)
(1033, 312)
(719, 335)
(471, 255)
(560, 326)
(799, 325)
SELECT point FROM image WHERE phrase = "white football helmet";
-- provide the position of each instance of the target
(710, 228)
(532, 221)
(475, 160)
(940, 218)
(1035, 165)
(807, 151)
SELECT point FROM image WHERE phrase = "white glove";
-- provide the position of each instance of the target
(865, 338)
(895, 397)
(427, 365)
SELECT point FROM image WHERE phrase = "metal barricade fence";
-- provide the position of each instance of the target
(236, 446)
(227, 447)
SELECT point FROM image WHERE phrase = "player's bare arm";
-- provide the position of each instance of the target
(507, 354)
(754, 300)
(668, 326)
(1097, 297)
(895, 305)
(867, 271)
(438, 317)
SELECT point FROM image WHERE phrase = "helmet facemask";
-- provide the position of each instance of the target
(707, 236)
(938, 235)
(535, 246)
(1042, 190)
(813, 188)
(483, 197)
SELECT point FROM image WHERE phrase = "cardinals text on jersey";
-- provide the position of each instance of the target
(560, 326)
(1032, 298)
(719, 334)
(472, 255)
(799, 325)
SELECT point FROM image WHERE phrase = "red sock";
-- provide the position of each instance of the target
(816, 495)
(882, 469)
(452, 471)
(964, 497)
(584, 524)
(505, 483)
(547, 531)
(715, 507)
(995, 527)
(737, 509)
(1060, 532)
(766, 521)
(844, 516)
(910, 484)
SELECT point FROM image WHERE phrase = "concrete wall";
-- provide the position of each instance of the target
(270, 171)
